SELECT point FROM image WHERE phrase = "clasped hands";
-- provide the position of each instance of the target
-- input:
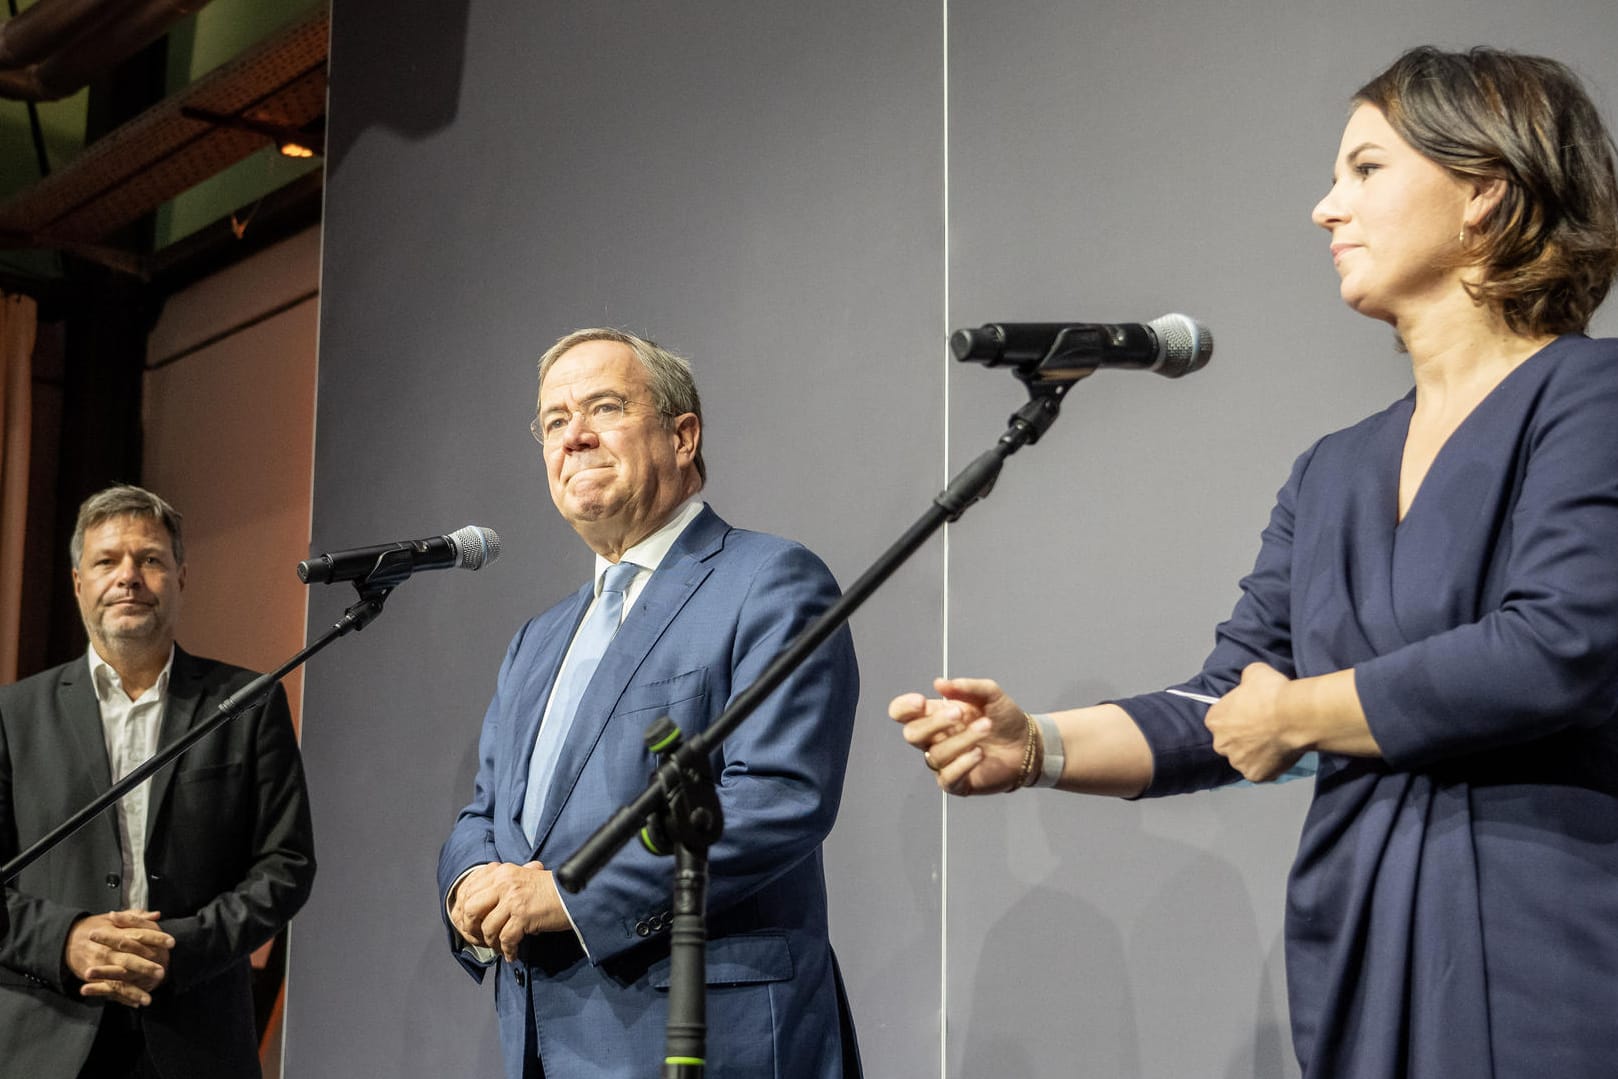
(973, 735)
(120, 956)
(499, 903)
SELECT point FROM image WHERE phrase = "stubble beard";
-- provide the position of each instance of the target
(119, 631)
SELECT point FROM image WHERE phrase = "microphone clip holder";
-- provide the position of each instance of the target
(1044, 404)
(392, 569)
(1024, 428)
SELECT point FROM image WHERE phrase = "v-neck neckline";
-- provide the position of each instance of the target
(1444, 452)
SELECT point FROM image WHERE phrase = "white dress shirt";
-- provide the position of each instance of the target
(130, 728)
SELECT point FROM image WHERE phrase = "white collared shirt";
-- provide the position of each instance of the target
(130, 729)
(649, 553)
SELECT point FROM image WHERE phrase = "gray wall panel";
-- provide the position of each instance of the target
(1111, 162)
(763, 186)
(760, 189)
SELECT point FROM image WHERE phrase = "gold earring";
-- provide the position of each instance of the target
(1462, 238)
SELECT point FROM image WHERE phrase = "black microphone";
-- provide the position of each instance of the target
(1171, 345)
(465, 548)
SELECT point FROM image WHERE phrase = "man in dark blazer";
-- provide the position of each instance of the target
(695, 611)
(127, 953)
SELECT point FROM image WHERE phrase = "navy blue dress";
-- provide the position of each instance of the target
(1453, 909)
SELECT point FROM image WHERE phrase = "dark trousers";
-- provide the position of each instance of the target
(119, 1051)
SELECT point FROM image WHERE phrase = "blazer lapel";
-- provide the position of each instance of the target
(81, 717)
(679, 576)
(179, 715)
(529, 704)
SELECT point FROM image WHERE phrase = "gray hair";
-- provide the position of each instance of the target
(668, 376)
(126, 500)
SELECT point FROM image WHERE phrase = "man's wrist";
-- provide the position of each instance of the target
(455, 886)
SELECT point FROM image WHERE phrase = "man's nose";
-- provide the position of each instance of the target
(578, 434)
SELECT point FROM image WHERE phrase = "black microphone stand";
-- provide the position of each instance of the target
(679, 809)
(391, 570)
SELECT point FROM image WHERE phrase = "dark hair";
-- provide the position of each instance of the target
(1549, 250)
(126, 500)
(668, 376)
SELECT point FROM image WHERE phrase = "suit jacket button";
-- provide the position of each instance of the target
(642, 929)
(113, 880)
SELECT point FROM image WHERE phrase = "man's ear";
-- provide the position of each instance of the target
(687, 433)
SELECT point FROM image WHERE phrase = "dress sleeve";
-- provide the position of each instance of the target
(1259, 630)
(1546, 657)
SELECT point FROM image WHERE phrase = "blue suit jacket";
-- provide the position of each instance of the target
(721, 606)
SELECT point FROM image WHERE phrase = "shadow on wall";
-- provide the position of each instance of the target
(1108, 971)
(476, 1049)
(422, 50)
(1271, 1050)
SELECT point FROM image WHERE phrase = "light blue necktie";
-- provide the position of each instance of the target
(589, 644)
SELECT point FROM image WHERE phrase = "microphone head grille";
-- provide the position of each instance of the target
(1185, 344)
(475, 546)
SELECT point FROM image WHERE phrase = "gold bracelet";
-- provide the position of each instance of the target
(1027, 771)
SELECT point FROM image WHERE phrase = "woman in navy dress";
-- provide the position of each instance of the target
(1434, 610)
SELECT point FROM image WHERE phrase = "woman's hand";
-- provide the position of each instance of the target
(1249, 725)
(971, 735)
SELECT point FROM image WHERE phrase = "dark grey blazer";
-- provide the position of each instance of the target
(230, 858)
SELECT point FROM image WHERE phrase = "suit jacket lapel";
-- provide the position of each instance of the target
(185, 694)
(681, 573)
(530, 701)
(80, 713)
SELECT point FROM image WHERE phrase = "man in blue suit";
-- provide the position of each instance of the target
(683, 613)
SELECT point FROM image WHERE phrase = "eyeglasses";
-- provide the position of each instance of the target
(598, 415)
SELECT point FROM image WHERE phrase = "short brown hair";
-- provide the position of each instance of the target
(1549, 251)
(668, 376)
(126, 500)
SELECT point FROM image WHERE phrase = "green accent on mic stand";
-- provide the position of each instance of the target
(669, 739)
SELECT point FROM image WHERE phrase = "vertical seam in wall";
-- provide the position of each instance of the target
(943, 817)
(314, 466)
